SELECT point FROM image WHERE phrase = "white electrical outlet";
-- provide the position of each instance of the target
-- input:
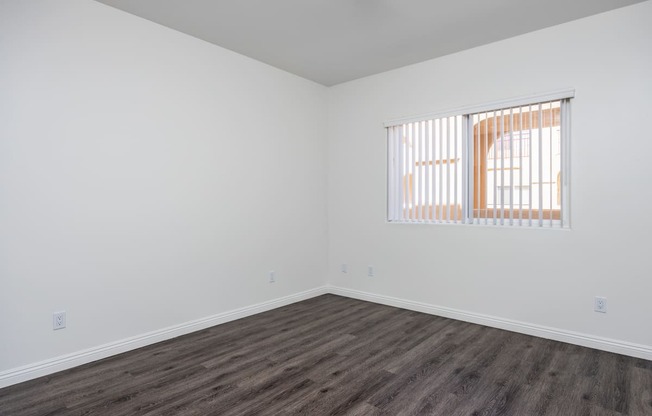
(370, 271)
(59, 320)
(600, 304)
(272, 276)
(344, 268)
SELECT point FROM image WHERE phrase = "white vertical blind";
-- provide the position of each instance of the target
(511, 163)
(506, 166)
(429, 180)
(485, 143)
(495, 168)
(520, 171)
(417, 175)
(448, 169)
(564, 150)
(551, 170)
(437, 162)
(540, 177)
(530, 165)
(394, 173)
(456, 141)
(467, 165)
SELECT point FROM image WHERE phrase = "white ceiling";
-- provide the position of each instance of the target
(334, 41)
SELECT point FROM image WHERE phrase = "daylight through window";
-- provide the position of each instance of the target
(505, 165)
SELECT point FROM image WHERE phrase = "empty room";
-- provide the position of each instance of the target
(328, 207)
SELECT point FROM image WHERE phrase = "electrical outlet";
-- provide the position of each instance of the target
(272, 276)
(600, 304)
(344, 268)
(370, 271)
(59, 320)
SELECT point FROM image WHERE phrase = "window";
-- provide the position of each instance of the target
(503, 164)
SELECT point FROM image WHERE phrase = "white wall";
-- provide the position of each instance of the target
(540, 277)
(147, 179)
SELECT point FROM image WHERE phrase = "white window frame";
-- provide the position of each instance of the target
(467, 197)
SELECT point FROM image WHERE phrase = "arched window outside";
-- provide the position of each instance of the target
(518, 161)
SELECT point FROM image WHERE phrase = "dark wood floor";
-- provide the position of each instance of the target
(336, 356)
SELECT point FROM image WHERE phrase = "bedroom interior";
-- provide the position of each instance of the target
(168, 197)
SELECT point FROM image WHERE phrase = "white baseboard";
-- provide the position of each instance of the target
(585, 340)
(43, 368)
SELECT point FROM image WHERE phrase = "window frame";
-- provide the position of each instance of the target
(467, 201)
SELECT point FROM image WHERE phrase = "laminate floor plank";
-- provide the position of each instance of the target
(440, 339)
(429, 368)
(640, 400)
(491, 377)
(332, 355)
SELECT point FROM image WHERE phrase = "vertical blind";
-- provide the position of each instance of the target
(426, 170)
(506, 166)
